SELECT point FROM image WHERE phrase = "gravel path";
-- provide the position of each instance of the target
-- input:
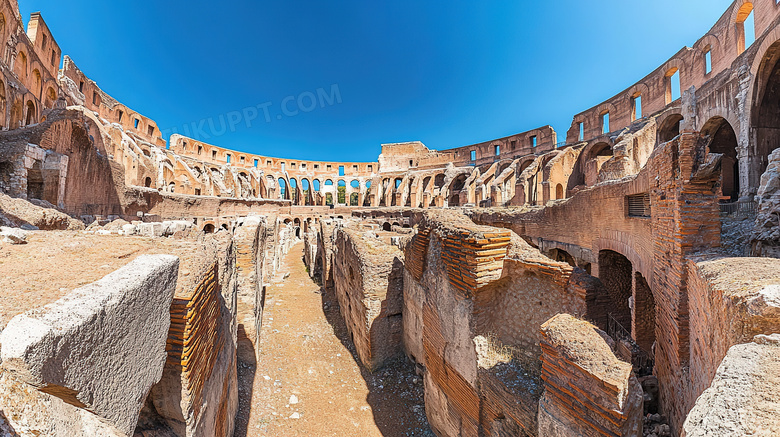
(308, 381)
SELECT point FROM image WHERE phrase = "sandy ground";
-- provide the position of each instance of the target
(308, 381)
(54, 263)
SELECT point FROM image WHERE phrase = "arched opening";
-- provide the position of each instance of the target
(305, 187)
(559, 191)
(670, 128)
(672, 85)
(438, 182)
(765, 114)
(283, 191)
(51, 98)
(20, 68)
(3, 103)
(35, 181)
(387, 226)
(37, 85)
(746, 30)
(329, 199)
(644, 314)
(367, 197)
(456, 187)
(30, 119)
(723, 140)
(16, 115)
(562, 256)
(342, 192)
(297, 223)
(294, 191)
(601, 149)
(208, 228)
(148, 182)
(354, 199)
(316, 185)
(615, 272)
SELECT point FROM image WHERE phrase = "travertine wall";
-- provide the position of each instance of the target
(368, 283)
(743, 398)
(723, 315)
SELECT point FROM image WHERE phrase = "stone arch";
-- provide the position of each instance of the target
(600, 149)
(559, 191)
(615, 272)
(738, 17)
(561, 255)
(723, 140)
(30, 113)
(456, 186)
(341, 192)
(3, 28)
(37, 82)
(20, 66)
(284, 193)
(708, 43)
(764, 126)
(669, 127)
(51, 98)
(670, 68)
(3, 104)
(387, 226)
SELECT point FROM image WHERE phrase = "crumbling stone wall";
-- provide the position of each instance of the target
(723, 315)
(588, 391)
(480, 295)
(368, 284)
(766, 234)
(198, 395)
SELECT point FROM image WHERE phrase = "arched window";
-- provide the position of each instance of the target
(342, 192)
(672, 85)
(37, 83)
(21, 66)
(636, 106)
(51, 97)
(30, 113)
(282, 189)
(746, 27)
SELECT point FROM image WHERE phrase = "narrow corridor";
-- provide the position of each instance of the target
(308, 382)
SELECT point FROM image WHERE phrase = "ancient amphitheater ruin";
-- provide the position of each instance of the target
(620, 280)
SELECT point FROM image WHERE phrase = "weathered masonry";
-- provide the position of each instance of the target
(620, 282)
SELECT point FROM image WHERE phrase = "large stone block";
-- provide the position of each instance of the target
(102, 347)
(743, 398)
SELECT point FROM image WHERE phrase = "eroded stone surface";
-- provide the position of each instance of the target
(743, 398)
(101, 347)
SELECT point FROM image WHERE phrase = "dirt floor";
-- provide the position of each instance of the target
(54, 263)
(308, 381)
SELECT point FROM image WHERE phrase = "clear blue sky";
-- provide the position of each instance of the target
(445, 73)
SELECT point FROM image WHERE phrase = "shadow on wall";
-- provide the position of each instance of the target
(247, 367)
(395, 391)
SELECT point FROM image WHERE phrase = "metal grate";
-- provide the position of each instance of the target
(638, 205)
